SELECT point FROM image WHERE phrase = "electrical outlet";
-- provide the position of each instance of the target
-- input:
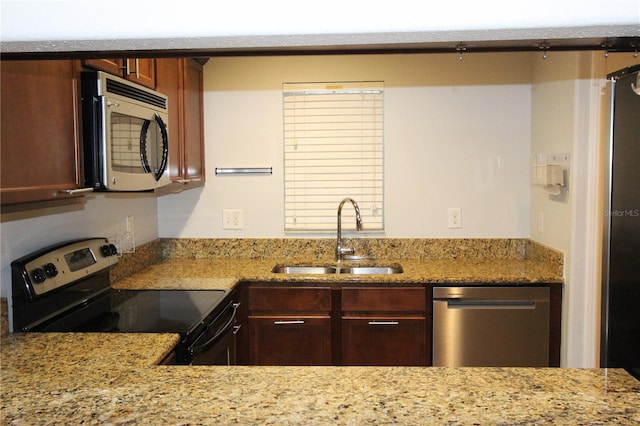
(232, 219)
(129, 224)
(128, 239)
(455, 217)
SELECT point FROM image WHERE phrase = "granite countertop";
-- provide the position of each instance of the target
(52, 378)
(225, 273)
(62, 378)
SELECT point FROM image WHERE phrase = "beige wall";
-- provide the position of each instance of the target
(568, 104)
(456, 135)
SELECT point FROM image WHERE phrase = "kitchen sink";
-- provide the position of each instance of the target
(330, 270)
(284, 269)
(372, 270)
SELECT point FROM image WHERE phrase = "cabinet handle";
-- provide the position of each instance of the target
(288, 322)
(383, 323)
(188, 180)
(127, 69)
(76, 191)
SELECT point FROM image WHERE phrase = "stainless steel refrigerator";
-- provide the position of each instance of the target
(620, 339)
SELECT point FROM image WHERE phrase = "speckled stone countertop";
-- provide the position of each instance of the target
(225, 273)
(111, 379)
(222, 263)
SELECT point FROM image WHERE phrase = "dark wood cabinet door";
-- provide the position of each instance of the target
(290, 300)
(289, 325)
(168, 77)
(112, 66)
(386, 341)
(40, 131)
(384, 299)
(193, 118)
(181, 80)
(284, 340)
(141, 70)
(384, 326)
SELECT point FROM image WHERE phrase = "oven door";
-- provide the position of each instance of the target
(216, 345)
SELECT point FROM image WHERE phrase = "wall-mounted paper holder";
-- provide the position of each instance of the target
(548, 172)
(244, 170)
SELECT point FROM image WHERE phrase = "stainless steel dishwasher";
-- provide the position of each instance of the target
(491, 326)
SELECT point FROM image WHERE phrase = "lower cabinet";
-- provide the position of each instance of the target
(366, 324)
(290, 340)
(289, 325)
(335, 325)
(384, 326)
(389, 341)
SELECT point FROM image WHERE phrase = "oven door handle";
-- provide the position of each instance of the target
(203, 347)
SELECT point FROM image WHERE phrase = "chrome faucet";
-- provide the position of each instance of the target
(339, 249)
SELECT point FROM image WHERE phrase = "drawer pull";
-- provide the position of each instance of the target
(383, 323)
(289, 322)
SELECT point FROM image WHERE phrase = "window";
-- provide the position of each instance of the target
(333, 148)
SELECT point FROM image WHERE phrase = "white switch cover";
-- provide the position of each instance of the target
(455, 217)
(231, 219)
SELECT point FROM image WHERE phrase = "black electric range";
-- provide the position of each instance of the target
(66, 288)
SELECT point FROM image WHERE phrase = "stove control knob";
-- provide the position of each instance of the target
(50, 270)
(38, 275)
(108, 250)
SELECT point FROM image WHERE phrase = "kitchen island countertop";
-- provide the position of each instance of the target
(52, 378)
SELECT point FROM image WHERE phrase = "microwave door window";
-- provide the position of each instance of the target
(138, 146)
(126, 155)
(154, 146)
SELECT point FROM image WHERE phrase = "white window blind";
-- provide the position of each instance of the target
(333, 148)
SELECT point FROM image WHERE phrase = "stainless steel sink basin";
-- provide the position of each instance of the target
(329, 270)
(372, 270)
(284, 269)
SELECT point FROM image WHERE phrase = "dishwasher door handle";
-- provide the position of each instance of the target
(488, 304)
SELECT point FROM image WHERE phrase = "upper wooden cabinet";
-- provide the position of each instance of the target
(40, 134)
(181, 80)
(141, 71)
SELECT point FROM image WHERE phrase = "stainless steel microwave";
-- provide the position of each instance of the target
(125, 136)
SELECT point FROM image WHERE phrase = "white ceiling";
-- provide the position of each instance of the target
(92, 25)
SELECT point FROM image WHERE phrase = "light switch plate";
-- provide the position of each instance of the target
(232, 219)
(455, 217)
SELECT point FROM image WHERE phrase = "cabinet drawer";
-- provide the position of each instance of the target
(282, 340)
(383, 299)
(289, 299)
(384, 341)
